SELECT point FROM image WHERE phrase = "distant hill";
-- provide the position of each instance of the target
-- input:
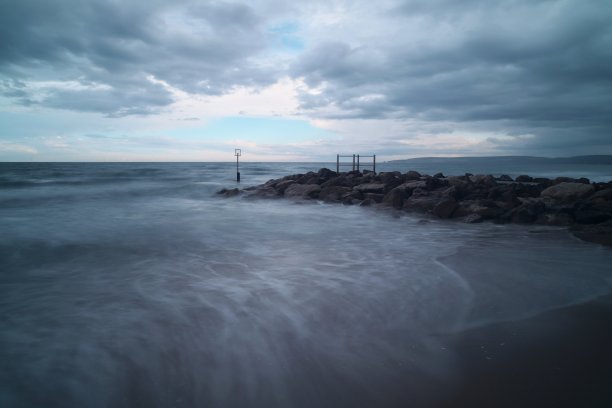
(592, 159)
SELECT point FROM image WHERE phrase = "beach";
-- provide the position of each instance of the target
(559, 358)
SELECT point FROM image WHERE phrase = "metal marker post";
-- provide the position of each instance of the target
(237, 153)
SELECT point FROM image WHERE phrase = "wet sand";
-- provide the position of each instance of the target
(561, 358)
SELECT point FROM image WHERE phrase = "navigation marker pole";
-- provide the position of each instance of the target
(237, 153)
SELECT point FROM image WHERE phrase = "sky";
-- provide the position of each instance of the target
(187, 80)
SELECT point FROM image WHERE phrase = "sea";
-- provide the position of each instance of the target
(135, 285)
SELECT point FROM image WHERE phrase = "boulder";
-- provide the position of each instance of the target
(303, 191)
(438, 175)
(395, 198)
(505, 177)
(445, 208)
(567, 191)
(413, 175)
(333, 193)
(472, 219)
(377, 188)
(228, 192)
(282, 185)
(524, 179)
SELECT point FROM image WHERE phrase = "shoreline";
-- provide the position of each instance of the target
(559, 358)
(581, 206)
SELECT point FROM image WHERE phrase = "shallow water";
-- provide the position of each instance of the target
(134, 285)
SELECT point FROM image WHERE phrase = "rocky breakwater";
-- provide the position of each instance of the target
(584, 207)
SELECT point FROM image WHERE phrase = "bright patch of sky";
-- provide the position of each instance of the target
(286, 36)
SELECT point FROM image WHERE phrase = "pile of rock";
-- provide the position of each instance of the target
(577, 203)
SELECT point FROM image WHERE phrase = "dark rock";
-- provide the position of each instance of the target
(527, 212)
(524, 179)
(303, 191)
(543, 180)
(377, 188)
(505, 177)
(567, 191)
(326, 173)
(583, 180)
(227, 192)
(560, 180)
(438, 175)
(421, 204)
(412, 175)
(282, 185)
(395, 198)
(593, 213)
(333, 193)
(366, 203)
(264, 192)
(377, 198)
(445, 208)
(472, 219)
(602, 195)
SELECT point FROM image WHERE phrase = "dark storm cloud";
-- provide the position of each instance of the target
(194, 46)
(542, 68)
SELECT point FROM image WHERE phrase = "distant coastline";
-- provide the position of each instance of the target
(587, 159)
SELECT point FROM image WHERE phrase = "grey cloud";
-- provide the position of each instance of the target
(541, 68)
(194, 46)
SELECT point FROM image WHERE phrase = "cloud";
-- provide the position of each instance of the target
(519, 66)
(198, 48)
(397, 76)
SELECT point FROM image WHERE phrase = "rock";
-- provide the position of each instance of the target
(395, 198)
(422, 204)
(445, 208)
(593, 212)
(524, 179)
(472, 219)
(483, 179)
(543, 180)
(567, 191)
(377, 188)
(333, 193)
(264, 192)
(227, 192)
(560, 180)
(505, 177)
(602, 195)
(303, 191)
(282, 185)
(526, 213)
(377, 198)
(366, 203)
(413, 175)
(438, 175)
(326, 173)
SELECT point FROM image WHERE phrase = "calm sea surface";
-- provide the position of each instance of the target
(133, 285)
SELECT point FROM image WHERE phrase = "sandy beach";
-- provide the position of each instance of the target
(560, 358)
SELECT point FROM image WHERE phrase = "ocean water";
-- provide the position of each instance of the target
(134, 285)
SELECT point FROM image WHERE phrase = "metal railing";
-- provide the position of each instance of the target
(356, 163)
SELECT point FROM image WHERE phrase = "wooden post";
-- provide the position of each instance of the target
(237, 153)
(337, 164)
(357, 162)
(353, 162)
(374, 163)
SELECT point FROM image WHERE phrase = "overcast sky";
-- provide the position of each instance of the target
(134, 80)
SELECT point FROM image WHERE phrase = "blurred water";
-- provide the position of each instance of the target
(126, 285)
